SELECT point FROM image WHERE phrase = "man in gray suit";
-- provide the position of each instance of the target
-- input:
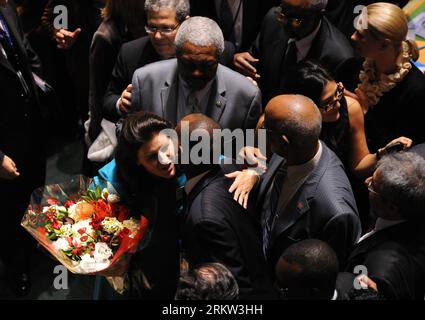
(305, 192)
(196, 83)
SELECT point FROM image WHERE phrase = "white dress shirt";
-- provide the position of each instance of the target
(380, 225)
(295, 177)
(304, 45)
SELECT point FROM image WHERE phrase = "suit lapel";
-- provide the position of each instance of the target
(217, 102)
(169, 98)
(299, 204)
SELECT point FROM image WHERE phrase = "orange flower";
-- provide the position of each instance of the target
(84, 211)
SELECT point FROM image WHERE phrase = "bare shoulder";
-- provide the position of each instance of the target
(354, 108)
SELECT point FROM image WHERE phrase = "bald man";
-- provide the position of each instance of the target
(294, 31)
(305, 192)
(216, 228)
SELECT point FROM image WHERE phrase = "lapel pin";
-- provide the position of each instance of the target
(219, 104)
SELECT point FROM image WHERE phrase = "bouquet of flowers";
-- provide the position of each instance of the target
(83, 225)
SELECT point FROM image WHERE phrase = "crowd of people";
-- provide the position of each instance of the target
(341, 105)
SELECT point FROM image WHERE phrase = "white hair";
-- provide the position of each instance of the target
(182, 7)
(202, 32)
(402, 181)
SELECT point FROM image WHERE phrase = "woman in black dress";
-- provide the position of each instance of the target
(392, 89)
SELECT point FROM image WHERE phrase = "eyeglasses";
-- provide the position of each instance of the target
(161, 30)
(296, 22)
(339, 93)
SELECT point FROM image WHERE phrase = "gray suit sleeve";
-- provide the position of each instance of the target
(254, 112)
(136, 93)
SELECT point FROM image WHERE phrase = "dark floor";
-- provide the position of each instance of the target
(65, 160)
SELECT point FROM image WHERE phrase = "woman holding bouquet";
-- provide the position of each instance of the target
(143, 174)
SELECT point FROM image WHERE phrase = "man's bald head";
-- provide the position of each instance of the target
(199, 121)
(296, 117)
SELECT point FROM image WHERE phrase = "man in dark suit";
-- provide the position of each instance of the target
(393, 253)
(219, 231)
(195, 82)
(22, 155)
(290, 33)
(305, 192)
(240, 20)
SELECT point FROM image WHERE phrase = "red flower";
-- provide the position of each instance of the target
(68, 204)
(124, 233)
(102, 209)
(82, 231)
(56, 225)
(84, 238)
(96, 223)
(52, 201)
(121, 212)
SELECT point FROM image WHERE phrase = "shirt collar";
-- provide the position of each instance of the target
(382, 223)
(191, 183)
(304, 44)
(335, 296)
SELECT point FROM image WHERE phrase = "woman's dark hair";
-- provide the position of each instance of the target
(309, 79)
(138, 128)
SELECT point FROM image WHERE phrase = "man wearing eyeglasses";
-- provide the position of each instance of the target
(393, 253)
(195, 82)
(163, 21)
(296, 30)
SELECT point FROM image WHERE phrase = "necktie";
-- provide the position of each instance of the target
(276, 188)
(192, 102)
(288, 63)
(227, 21)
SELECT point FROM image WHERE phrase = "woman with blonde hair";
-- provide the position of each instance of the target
(391, 89)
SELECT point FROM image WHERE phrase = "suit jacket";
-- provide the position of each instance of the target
(253, 13)
(323, 208)
(221, 231)
(234, 101)
(395, 260)
(132, 56)
(330, 47)
(21, 115)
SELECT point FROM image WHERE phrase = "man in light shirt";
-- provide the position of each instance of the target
(393, 253)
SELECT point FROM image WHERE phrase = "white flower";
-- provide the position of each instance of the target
(111, 225)
(105, 194)
(83, 224)
(54, 208)
(113, 198)
(102, 253)
(88, 264)
(66, 230)
(132, 225)
(61, 244)
(72, 211)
